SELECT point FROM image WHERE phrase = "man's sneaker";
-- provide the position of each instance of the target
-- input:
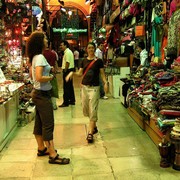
(104, 97)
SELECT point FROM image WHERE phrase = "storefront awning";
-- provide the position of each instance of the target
(114, 15)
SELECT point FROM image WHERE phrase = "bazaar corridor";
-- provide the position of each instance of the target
(121, 151)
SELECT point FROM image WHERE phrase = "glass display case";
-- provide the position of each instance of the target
(9, 102)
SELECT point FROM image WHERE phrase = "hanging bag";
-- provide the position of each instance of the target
(54, 90)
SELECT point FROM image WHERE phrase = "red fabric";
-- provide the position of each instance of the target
(131, 8)
(126, 38)
(126, 2)
(134, 9)
(170, 83)
(170, 112)
(177, 61)
(50, 57)
(172, 7)
(164, 44)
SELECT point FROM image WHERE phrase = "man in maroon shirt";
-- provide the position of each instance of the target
(52, 60)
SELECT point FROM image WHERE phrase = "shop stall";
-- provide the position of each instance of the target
(9, 104)
(15, 85)
(150, 94)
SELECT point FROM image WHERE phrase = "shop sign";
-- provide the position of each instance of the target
(69, 30)
(140, 30)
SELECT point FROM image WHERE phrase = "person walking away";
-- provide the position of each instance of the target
(57, 59)
(51, 58)
(90, 70)
(76, 57)
(67, 66)
(110, 53)
(99, 54)
(41, 97)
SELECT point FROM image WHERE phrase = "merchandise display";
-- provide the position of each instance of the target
(175, 140)
(175, 132)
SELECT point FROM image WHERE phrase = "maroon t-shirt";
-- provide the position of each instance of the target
(50, 57)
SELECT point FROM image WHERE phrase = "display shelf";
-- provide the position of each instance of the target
(9, 111)
(136, 117)
(9, 114)
(154, 132)
(149, 126)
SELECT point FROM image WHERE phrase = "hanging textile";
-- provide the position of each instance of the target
(173, 33)
(157, 33)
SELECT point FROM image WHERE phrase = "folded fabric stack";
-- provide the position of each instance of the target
(175, 132)
(168, 98)
(156, 66)
(168, 102)
(164, 123)
(166, 78)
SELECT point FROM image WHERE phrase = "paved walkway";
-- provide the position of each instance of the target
(122, 151)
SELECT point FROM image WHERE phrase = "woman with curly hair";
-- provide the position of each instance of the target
(41, 96)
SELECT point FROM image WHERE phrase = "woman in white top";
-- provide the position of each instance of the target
(41, 96)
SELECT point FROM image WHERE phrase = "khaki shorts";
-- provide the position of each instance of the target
(90, 100)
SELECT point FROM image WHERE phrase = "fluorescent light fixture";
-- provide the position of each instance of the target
(63, 9)
(70, 13)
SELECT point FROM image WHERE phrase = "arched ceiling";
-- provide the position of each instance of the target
(53, 6)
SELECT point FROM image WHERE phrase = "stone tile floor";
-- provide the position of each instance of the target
(122, 151)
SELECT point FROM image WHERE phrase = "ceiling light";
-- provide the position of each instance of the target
(70, 13)
(63, 9)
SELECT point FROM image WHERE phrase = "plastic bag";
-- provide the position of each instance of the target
(54, 90)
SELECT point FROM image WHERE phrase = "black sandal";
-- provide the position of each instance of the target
(58, 160)
(43, 152)
(95, 130)
(90, 138)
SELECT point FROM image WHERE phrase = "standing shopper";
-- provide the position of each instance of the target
(99, 54)
(41, 96)
(90, 68)
(110, 53)
(67, 66)
(52, 60)
(76, 58)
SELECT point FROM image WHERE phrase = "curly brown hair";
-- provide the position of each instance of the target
(35, 44)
